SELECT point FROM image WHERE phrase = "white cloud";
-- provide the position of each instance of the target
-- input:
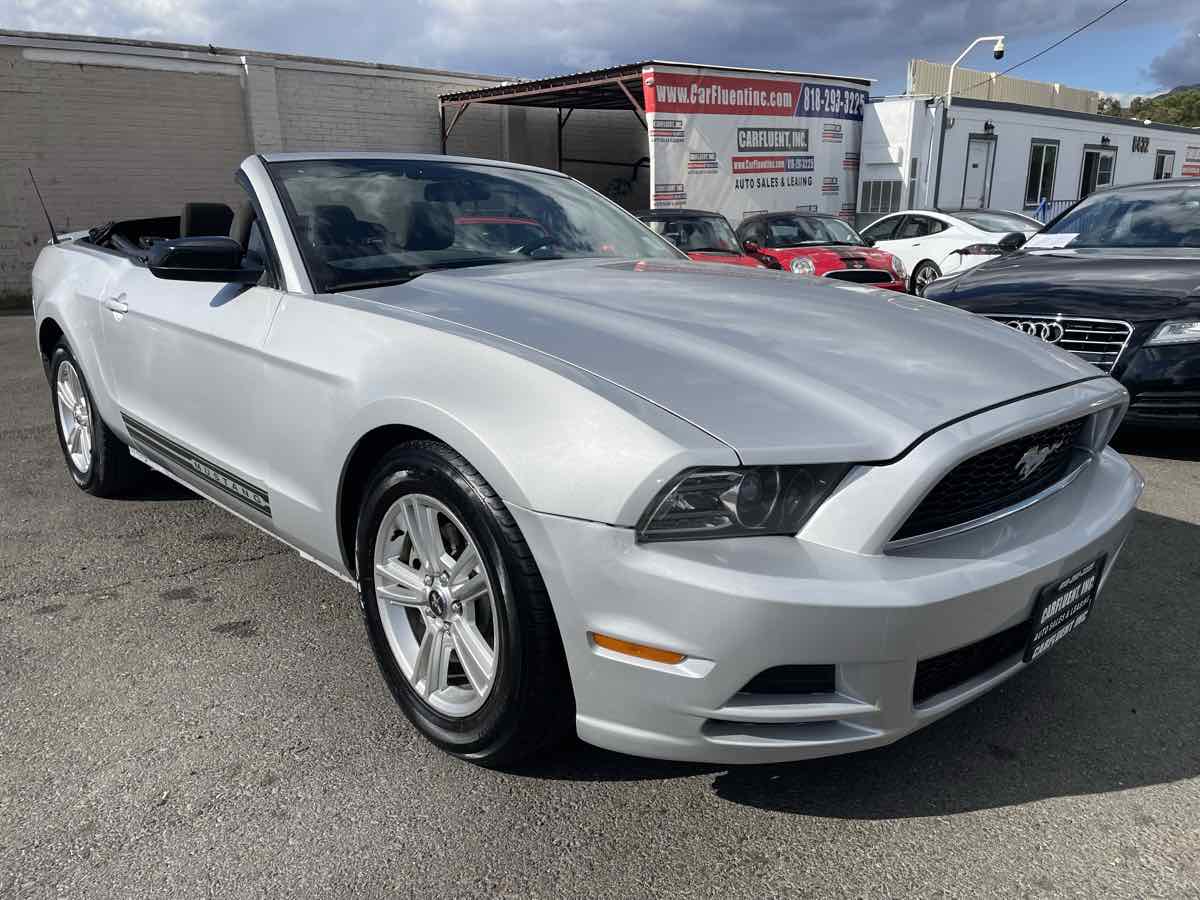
(538, 37)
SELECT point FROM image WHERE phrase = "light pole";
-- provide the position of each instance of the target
(997, 52)
(946, 121)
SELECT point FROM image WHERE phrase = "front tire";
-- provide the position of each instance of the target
(98, 461)
(456, 610)
(925, 274)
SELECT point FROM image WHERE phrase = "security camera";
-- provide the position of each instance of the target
(998, 50)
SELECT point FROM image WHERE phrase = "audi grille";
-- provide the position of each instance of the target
(1098, 341)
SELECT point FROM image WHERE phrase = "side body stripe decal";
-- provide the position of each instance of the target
(225, 481)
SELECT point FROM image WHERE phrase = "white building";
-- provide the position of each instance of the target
(997, 155)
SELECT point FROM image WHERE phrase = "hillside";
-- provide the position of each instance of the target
(1179, 106)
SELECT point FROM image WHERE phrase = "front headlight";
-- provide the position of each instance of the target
(736, 502)
(898, 268)
(1184, 331)
(802, 265)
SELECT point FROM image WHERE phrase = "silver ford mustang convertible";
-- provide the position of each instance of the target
(581, 483)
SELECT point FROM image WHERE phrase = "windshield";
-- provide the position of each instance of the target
(801, 231)
(999, 222)
(694, 234)
(1158, 217)
(367, 222)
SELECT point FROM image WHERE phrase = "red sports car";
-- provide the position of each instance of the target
(703, 236)
(822, 245)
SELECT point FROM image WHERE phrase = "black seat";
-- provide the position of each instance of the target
(429, 226)
(205, 220)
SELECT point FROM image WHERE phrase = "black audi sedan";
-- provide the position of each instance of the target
(1116, 280)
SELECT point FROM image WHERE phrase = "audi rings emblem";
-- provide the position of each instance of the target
(1050, 332)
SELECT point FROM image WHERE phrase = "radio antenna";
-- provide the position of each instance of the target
(45, 212)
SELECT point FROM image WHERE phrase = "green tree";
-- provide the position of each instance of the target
(1178, 107)
(1110, 106)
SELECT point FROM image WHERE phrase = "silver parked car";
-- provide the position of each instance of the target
(581, 483)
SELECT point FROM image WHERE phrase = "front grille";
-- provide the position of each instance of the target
(1098, 341)
(792, 680)
(947, 671)
(1167, 407)
(862, 276)
(995, 479)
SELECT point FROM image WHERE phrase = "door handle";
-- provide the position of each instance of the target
(116, 304)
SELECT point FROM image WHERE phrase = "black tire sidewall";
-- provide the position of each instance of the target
(419, 470)
(62, 353)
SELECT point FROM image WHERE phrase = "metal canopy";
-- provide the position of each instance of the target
(614, 88)
(598, 89)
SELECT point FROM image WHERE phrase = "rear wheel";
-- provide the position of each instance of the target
(97, 459)
(456, 611)
(923, 276)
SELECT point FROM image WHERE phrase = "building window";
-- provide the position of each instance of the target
(912, 181)
(1164, 164)
(880, 196)
(1039, 183)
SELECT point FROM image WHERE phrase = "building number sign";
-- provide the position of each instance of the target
(1141, 144)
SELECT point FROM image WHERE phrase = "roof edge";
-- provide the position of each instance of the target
(170, 48)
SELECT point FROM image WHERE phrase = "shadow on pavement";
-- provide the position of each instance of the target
(1111, 709)
(159, 487)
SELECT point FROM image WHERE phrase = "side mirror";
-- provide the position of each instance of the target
(870, 242)
(1012, 242)
(750, 246)
(216, 259)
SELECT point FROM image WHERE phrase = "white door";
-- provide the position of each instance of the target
(187, 368)
(978, 175)
(1097, 171)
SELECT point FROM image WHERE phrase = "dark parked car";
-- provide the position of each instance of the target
(1116, 280)
(704, 236)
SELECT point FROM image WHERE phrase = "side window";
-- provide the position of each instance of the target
(754, 231)
(884, 229)
(936, 225)
(913, 227)
(258, 254)
(256, 247)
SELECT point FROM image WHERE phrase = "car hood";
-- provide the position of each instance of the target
(836, 257)
(780, 368)
(1134, 285)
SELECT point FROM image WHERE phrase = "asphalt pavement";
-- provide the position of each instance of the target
(188, 709)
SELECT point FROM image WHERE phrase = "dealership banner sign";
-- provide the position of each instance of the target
(1191, 162)
(755, 143)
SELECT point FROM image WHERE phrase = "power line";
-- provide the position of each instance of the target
(1057, 43)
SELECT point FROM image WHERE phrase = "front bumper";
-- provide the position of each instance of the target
(740, 606)
(1164, 386)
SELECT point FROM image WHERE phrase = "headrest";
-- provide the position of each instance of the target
(205, 219)
(335, 215)
(430, 226)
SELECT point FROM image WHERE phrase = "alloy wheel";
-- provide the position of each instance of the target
(437, 605)
(74, 417)
(926, 275)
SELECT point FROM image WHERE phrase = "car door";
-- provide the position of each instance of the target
(892, 231)
(187, 367)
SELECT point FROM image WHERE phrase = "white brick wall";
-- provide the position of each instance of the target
(323, 110)
(107, 143)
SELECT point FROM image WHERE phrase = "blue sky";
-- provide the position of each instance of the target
(1145, 47)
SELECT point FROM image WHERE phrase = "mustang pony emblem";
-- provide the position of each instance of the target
(1033, 458)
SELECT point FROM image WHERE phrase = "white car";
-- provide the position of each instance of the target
(932, 244)
(582, 484)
